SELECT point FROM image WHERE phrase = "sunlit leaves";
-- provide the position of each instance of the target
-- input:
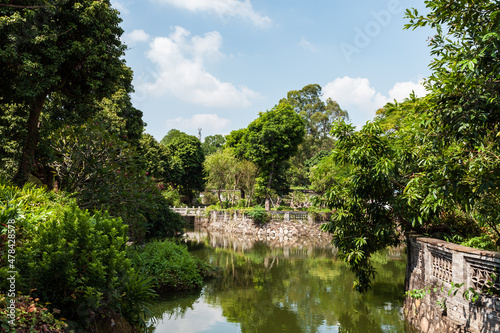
(270, 140)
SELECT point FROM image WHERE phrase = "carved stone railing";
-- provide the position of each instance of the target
(189, 211)
(439, 264)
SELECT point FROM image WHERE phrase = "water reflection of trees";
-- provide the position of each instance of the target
(173, 305)
(242, 242)
(298, 290)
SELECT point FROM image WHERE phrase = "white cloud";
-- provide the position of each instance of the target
(182, 73)
(136, 36)
(362, 100)
(222, 8)
(402, 90)
(122, 8)
(210, 123)
(304, 43)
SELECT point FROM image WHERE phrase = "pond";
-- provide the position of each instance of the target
(268, 288)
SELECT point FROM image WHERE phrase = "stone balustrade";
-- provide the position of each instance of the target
(440, 264)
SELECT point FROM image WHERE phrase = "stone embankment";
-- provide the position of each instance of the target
(285, 228)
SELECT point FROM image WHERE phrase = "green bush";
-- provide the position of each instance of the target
(258, 214)
(71, 258)
(105, 173)
(77, 260)
(170, 265)
(163, 222)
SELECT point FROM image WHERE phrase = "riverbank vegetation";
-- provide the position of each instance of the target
(80, 266)
(80, 181)
(428, 165)
(431, 164)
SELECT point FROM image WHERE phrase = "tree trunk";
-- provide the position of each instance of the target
(220, 199)
(28, 156)
(267, 203)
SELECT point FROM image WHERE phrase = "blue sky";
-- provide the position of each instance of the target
(215, 64)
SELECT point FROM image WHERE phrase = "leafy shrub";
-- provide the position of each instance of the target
(105, 173)
(163, 222)
(34, 205)
(258, 214)
(170, 265)
(483, 242)
(31, 316)
(136, 298)
(71, 258)
(87, 252)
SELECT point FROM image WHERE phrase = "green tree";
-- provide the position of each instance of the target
(106, 173)
(430, 164)
(187, 149)
(219, 168)
(157, 162)
(70, 48)
(172, 134)
(362, 201)
(319, 116)
(465, 100)
(246, 179)
(213, 143)
(225, 171)
(270, 140)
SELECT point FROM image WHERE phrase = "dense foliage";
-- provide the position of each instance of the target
(70, 258)
(170, 265)
(429, 165)
(64, 47)
(269, 142)
(158, 162)
(319, 116)
(188, 152)
(106, 174)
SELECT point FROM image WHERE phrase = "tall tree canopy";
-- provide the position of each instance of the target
(270, 140)
(71, 48)
(158, 162)
(318, 115)
(187, 150)
(428, 164)
(213, 143)
(171, 135)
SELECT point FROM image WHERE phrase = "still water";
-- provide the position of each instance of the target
(265, 288)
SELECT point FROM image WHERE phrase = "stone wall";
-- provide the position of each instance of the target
(440, 264)
(285, 228)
